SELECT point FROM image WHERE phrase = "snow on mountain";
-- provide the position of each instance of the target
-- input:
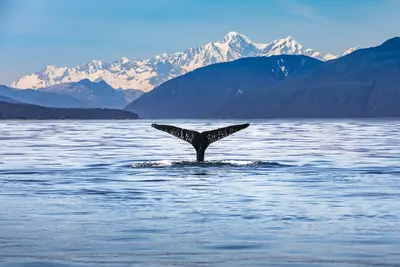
(146, 74)
(351, 50)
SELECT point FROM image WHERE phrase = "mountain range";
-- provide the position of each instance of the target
(363, 83)
(147, 74)
(229, 79)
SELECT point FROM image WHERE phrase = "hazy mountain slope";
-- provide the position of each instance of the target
(40, 98)
(94, 94)
(7, 99)
(82, 94)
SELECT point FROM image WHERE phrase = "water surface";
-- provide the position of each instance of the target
(279, 193)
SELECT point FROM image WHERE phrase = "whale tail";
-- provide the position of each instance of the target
(200, 141)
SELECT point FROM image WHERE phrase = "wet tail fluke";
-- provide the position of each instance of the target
(186, 135)
(200, 141)
(215, 135)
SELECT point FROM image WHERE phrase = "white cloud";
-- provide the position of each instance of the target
(303, 10)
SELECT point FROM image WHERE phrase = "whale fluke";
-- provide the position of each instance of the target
(200, 141)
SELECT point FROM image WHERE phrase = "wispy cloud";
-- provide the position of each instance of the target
(306, 11)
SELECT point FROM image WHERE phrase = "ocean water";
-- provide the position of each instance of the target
(279, 193)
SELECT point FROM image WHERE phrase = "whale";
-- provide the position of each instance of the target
(200, 141)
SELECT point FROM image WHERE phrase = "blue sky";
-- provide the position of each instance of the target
(36, 33)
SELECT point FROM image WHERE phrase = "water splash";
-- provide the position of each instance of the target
(205, 164)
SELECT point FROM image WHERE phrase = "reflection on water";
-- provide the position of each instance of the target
(280, 193)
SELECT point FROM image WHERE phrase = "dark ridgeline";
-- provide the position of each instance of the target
(364, 83)
(32, 112)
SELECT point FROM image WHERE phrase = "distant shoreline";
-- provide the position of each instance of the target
(20, 111)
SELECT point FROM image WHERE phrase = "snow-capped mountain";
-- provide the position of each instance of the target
(146, 74)
(351, 50)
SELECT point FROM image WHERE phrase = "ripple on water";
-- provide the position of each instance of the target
(281, 193)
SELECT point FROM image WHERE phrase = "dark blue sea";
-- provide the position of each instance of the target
(279, 193)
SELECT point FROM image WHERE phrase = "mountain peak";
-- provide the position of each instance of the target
(124, 60)
(233, 34)
(89, 83)
(230, 36)
(96, 63)
(290, 46)
(289, 38)
(289, 42)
